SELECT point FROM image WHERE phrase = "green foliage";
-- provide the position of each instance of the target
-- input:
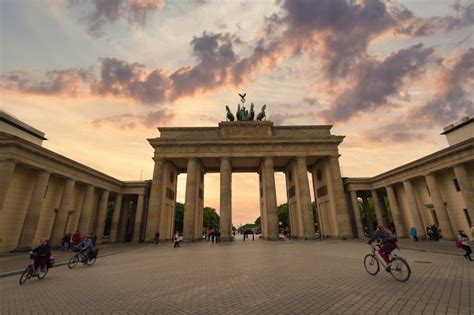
(248, 226)
(282, 211)
(108, 218)
(211, 218)
(370, 212)
(283, 214)
(258, 222)
(179, 217)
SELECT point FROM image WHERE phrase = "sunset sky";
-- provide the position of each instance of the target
(99, 76)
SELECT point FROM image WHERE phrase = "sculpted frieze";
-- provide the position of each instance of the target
(242, 149)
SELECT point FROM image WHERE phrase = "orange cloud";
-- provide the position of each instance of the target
(132, 121)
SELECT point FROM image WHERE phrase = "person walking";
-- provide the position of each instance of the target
(413, 234)
(218, 236)
(157, 237)
(462, 237)
(176, 240)
(65, 243)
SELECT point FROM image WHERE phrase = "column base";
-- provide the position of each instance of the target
(22, 249)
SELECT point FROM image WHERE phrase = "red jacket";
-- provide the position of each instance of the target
(76, 237)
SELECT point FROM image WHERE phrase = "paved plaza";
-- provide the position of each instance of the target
(260, 277)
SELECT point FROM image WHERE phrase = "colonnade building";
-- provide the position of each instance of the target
(45, 195)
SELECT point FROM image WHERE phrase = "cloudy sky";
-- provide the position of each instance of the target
(98, 76)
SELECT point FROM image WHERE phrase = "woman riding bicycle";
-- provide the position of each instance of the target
(388, 242)
(41, 255)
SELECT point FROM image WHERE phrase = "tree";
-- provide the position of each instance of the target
(179, 217)
(258, 222)
(282, 211)
(211, 218)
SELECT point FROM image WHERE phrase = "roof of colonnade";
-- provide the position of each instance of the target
(449, 157)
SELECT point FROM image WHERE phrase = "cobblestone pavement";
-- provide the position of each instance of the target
(290, 277)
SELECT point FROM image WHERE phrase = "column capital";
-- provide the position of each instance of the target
(158, 159)
(42, 170)
(225, 158)
(9, 160)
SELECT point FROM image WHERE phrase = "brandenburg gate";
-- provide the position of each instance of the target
(249, 146)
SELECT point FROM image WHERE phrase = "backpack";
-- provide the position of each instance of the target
(458, 243)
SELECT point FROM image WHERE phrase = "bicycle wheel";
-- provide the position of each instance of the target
(400, 270)
(43, 272)
(73, 261)
(371, 264)
(26, 275)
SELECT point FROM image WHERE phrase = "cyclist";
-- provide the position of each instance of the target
(87, 247)
(388, 242)
(41, 255)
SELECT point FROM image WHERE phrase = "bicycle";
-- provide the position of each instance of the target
(81, 257)
(29, 271)
(399, 269)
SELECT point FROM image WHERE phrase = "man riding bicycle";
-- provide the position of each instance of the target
(388, 242)
(41, 255)
(87, 247)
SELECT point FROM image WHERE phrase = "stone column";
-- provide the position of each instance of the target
(271, 202)
(438, 204)
(395, 209)
(304, 197)
(226, 199)
(7, 168)
(115, 218)
(138, 219)
(156, 202)
(263, 219)
(63, 212)
(358, 220)
(190, 200)
(123, 221)
(466, 188)
(378, 208)
(415, 212)
(343, 218)
(85, 218)
(103, 204)
(33, 212)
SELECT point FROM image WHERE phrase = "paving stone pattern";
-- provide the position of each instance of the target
(291, 277)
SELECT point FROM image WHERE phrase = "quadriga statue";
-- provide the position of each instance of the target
(261, 116)
(252, 113)
(230, 116)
